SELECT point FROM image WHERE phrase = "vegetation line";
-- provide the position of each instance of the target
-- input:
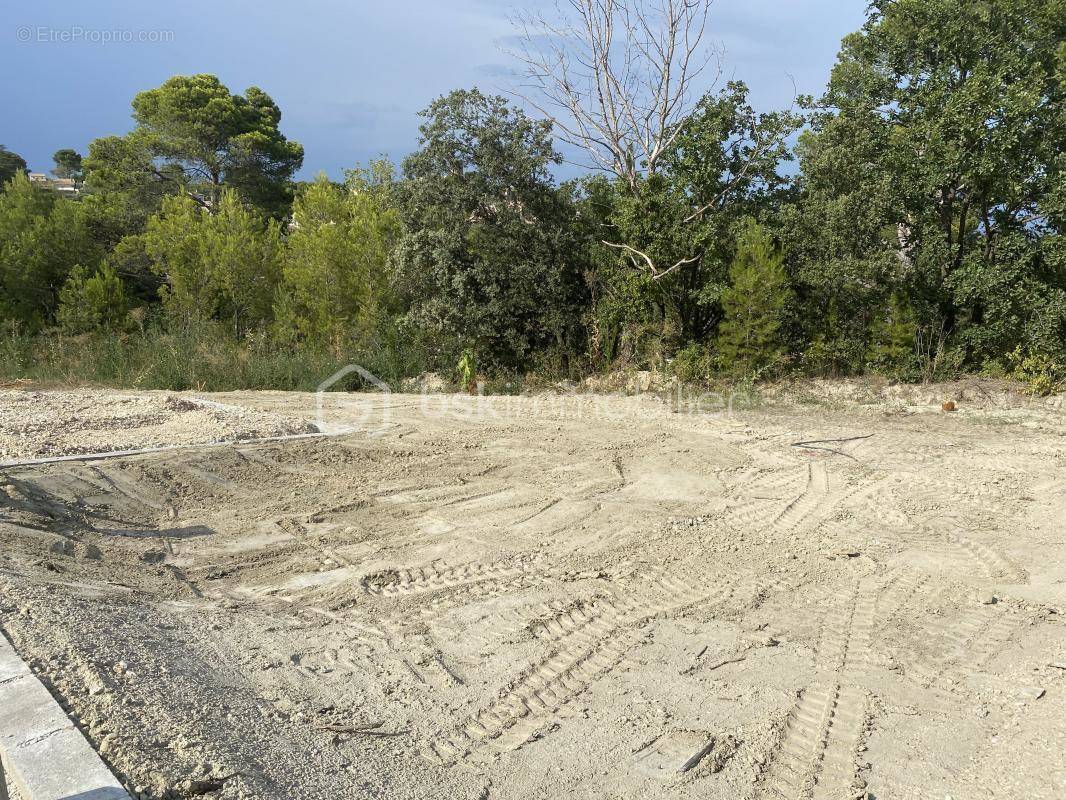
(919, 236)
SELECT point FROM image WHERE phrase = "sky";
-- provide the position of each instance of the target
(348, 75)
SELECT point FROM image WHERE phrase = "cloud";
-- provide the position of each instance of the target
(496, 71)
(361, 115)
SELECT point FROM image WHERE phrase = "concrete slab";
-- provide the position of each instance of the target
(44, 756)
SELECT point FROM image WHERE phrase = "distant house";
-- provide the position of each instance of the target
(64, 185)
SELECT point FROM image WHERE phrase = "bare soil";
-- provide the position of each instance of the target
(36, 425)
(561, 597)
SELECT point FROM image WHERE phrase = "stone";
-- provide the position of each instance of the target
(1031, 692)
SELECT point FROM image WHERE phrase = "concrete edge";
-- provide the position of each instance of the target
(43, 753)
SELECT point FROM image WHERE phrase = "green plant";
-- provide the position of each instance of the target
(753, 306)
(466, 370)
(1043, 374)
(91, 300)
(692, 363)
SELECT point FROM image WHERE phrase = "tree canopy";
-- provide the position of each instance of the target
(10, 165)
(918, 234)
(488, 258)
(67, 164)
(193, 134)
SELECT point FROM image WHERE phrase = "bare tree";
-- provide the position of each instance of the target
(616, 76)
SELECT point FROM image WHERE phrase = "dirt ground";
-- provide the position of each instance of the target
(562, 597)
(48, 424)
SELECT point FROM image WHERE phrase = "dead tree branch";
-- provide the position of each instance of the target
(616, 77)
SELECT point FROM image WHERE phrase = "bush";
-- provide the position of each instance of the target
(90, 300)
(692, 363)
(1043, 374)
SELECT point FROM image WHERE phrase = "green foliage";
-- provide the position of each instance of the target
(202, 355)
(932, 170)
(466, 370)
(754, 305)
(42, 238)
(488, 257)
(335, 277)
(923, 230)
(1042, 373)
(223, 265)
(193, 134)
(11, 164)
(90, 300)
(693, 363)
(67, 164)
(722, 166)
(893, 340)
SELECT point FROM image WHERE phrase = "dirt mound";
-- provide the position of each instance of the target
(59, 423)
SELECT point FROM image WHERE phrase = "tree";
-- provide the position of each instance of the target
(335, 276)
(42, 238)
(193, 134)
(215, 266)
(92, 299)
(616, 77)
(68, 164)
(124, 186)
(488, 258)
(11, 164)
(893, 338)
(754, 305)
(940, 146)
(726, 155)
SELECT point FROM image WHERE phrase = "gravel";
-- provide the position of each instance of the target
(49, 424)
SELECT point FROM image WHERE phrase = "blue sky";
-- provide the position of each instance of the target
(349, 75)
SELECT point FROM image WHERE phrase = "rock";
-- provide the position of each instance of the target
(844, 554)
(1031, 692)
(64, 547)
(987, 599)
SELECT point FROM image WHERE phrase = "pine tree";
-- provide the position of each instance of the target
(753, 306)
(892, 339)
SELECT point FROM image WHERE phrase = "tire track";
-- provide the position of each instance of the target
(432, 578)
(991, 562)
(814, 494)
(975, 638)
(588, 647)
(817, 756)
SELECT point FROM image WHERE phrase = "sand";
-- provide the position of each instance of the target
(560, 597)
(36, 425)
